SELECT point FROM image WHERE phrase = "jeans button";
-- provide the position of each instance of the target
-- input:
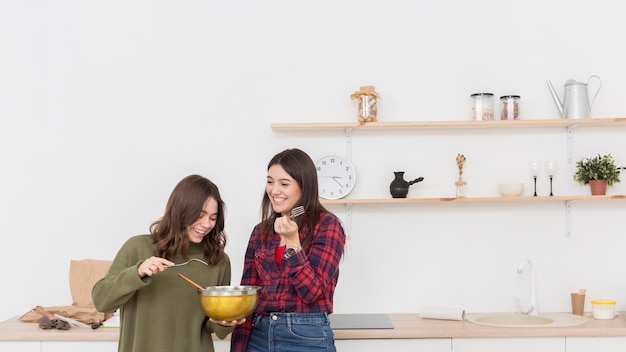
(274, 317)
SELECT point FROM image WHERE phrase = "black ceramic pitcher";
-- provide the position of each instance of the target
(399, 187)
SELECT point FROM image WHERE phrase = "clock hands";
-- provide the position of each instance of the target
(335, 178)
(339, 183)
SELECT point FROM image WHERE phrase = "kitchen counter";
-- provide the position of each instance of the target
(406, 326)
(411, 326)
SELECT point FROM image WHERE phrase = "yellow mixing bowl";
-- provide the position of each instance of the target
(228, 302)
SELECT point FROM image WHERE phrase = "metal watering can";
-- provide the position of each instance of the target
(575, 103)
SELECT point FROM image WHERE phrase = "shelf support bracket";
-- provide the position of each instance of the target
(349, 143)
(568, 218)
(348, 224)
(570, 143)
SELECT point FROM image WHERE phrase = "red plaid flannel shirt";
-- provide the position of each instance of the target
(304, 283)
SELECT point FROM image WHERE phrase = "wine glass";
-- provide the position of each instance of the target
(551, 167)
(535, 169)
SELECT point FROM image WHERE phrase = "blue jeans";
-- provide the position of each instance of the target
(288, 332)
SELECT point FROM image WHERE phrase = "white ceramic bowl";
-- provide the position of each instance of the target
(511, 189)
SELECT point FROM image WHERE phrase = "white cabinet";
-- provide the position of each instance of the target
(593, 344)
(78, 346)
(20, 346)
(395, 345)
(510, 344)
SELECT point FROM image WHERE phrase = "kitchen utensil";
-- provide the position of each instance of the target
(575, 103)
(228, 302)
(189, 281)
(297, 211)
(189, 261)
(71, 321)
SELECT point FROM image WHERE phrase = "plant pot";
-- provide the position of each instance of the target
(598, 187)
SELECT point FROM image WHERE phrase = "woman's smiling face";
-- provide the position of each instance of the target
(283, 191)
(205, 223)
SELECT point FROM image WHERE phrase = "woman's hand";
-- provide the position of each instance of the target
(228, 323)
(152, 266)
(288, 231)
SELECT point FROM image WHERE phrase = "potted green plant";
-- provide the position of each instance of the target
(599, 169)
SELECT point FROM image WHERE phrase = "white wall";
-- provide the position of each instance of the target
(105, 105)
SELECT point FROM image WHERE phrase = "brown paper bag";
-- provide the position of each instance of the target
(83, 275)
(82, 314)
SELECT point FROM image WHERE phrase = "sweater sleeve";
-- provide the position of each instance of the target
(120, 283)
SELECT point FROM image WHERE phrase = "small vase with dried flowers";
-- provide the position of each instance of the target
(460, 184)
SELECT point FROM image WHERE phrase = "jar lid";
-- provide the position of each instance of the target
(603, 301)
(510, 97)
(365, 90)
(482, 94)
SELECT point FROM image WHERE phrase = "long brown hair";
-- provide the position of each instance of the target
(183, 209)
(301, 168)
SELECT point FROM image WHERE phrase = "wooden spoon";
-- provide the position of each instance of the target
(190, 282)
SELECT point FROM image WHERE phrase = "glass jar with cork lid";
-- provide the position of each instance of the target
(366, 99)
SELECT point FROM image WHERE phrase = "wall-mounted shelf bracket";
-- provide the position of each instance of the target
(568, 218)
(348, 224)
(349, 143)
(570, 143)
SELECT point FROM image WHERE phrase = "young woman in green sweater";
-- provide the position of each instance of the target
(158, 311)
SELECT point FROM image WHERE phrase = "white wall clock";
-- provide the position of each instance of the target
(335, 175)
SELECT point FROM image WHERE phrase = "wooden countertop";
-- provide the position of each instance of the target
(411, 326)
(406, 326)
(15, 330)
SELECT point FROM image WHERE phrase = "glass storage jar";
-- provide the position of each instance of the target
(366, 98)
(510, 107)
(482, 106)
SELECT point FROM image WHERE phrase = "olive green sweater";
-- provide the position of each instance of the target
(160, 313)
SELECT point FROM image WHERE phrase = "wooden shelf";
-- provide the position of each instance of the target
(470, 124)
(469, 200)
(349, 127)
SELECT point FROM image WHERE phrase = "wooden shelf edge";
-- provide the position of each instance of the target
(469, 124)
(469, 200)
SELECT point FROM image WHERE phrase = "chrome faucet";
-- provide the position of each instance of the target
(531, 307)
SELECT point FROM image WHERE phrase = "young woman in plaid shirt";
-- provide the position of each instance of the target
(295, 261)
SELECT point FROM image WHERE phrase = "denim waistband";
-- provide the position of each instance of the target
(296, 318)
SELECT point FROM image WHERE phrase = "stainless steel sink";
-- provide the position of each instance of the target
(519, 320)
